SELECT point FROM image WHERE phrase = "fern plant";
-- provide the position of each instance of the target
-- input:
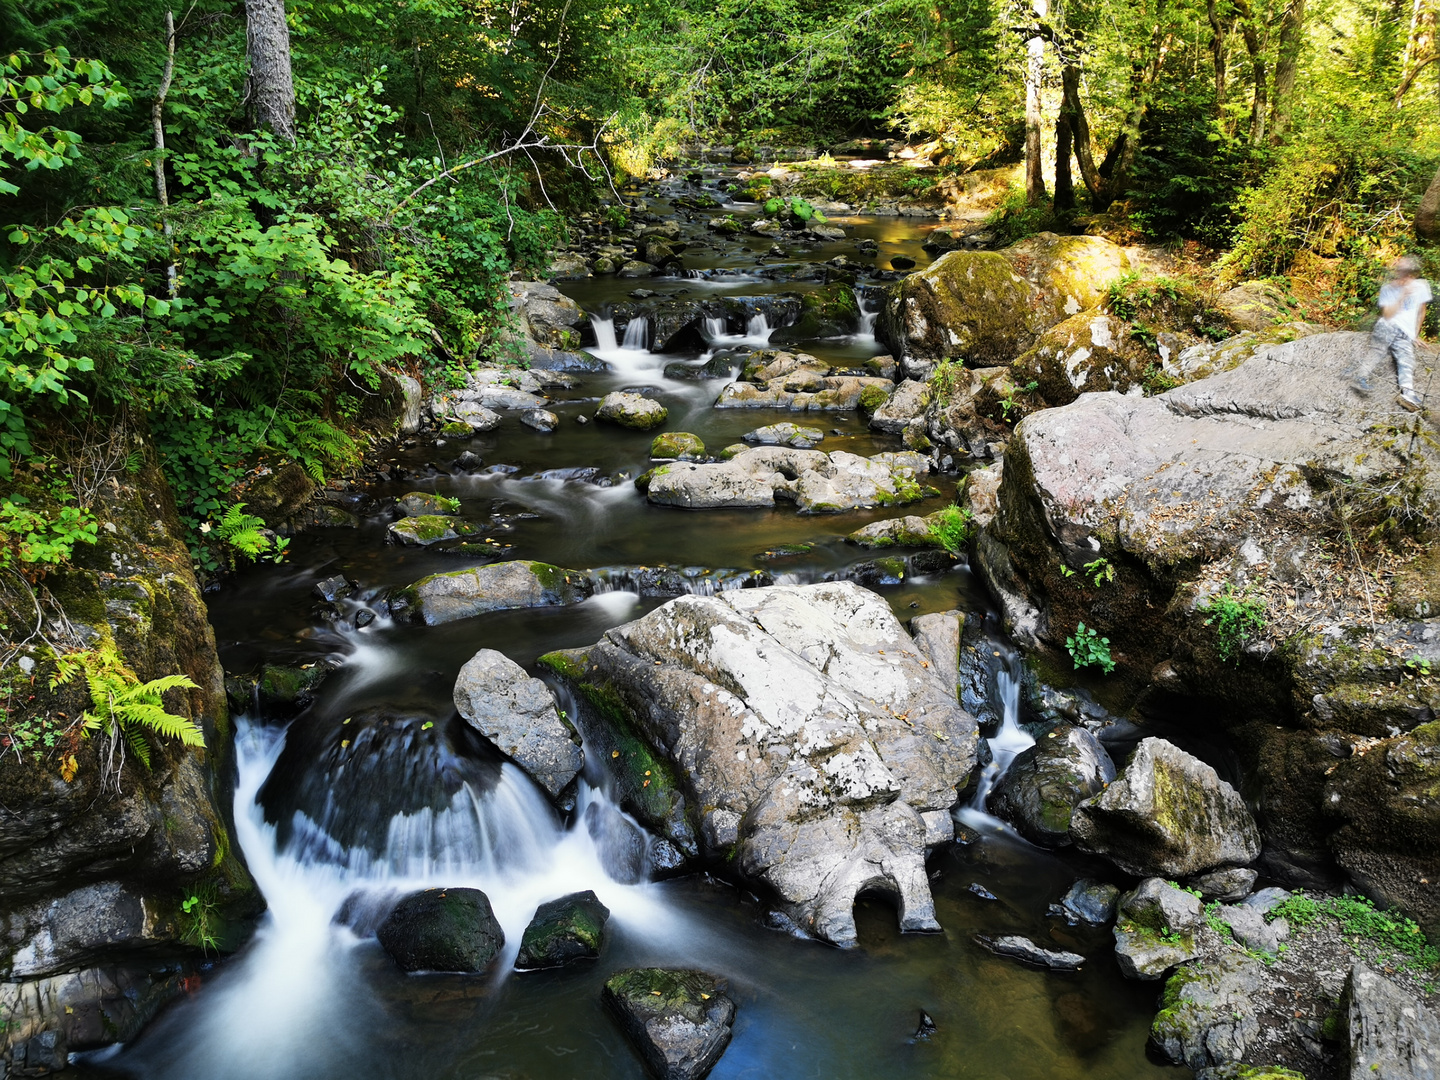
(121, 706)
(241, 532)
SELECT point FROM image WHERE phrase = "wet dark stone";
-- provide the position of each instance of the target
(982, 892)
(619, 843)
(40, 1055)
(678, 1021)
(926, 1027)
(1088, 901)
(442, 930)
(1026, 951)
(562, 931)
(901, 262)
(363, 618)
(332, 588)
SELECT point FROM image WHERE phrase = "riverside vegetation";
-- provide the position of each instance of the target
(260, 262)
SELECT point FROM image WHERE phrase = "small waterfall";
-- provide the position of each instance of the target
(1006, 743)
(604, 335)
(637, 332)
(714, 328)
(632, 355)
(673, 581)
(758, 329)
(867, 318)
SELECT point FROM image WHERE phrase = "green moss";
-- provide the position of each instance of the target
(677, 444)
(456, 429)
(731, 450)
(872, 397)
(567, 663)
(647, 784)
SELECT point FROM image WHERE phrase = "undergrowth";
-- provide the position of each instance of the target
(1398, 938)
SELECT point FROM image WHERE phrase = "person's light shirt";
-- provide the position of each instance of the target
(1411, 296)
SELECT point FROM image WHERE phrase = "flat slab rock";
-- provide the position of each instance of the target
(443, 598)
(1026, 951)
(1392, 1036)
(678, 1021)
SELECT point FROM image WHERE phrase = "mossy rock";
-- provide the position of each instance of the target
(421, 503)
(829, 311)
(781, 552)
(631, 411)
(677, 444)
(455, 429)
(872, 397)
(731, 450)
(442, 930)
(562, 931)
(276, 496)
(426, 529)
(969, 305)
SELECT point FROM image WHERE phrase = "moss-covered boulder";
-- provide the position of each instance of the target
(443, 598)
(1088, 352)
(1155, 929)
(422, 503)
(786, 434)
(631, 411)
(829, 311)
(1209, 1015)
(1256, 305)
(426, 529)
(277, 495)
(442, 930)
(1168, 814)
(678, 444)
(677, 1021)
(563, 931)
(911, 530)
(1070, 274)
(1039, 792)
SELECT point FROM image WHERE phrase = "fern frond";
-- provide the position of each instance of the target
(139, 746)
(156, 719)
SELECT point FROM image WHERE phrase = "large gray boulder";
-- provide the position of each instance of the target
(796, 731)
(1209, 1016)
(459, 594)
(517, 714)
(550, 318)
(1155, 929)
(677, 1021)
(904, 405)
(1392, 1036)
(1168, 814)
(816, 482)
(631, 411)
(1040, 790)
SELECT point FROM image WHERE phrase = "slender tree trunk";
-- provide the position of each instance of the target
(1034, 70)
(1420, 48)
(1064, 180)
(1427, 215)
(1080, 132)
(157, 123)
(269, 88)
(1292, 27)
(1219, 32)
(1253, 46)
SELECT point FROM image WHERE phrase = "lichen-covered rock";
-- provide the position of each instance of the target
(443, 598)
(1255, 305)
(980, 493)
(423, 503)
(1040, 790)
(904, 405)
(426, 529)
(442, 930)
(1209, 1013)
(563, 931)
(678, 444)
(818, 393)
(1169, 813)
(774, 715)
(937, 636)
(1088, 352)
(786, 434)
(849, 482)
(1070, 274)
(1155, 929)
(549, 317)
(517, 714)
(1391, 1036)
(677, 1021)
(631, 411)
(909, 531)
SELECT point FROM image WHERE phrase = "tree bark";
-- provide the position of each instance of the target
(1427, 215)
(1034, 70)
(1064, 180)
(157, 124)
(1080, 132)
(269, 87)
(1292, 26)
(1218, 33)
(1253, 46)
(1419, 47)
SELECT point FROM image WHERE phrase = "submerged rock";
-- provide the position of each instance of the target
(443, 598)
(1023, 949)
(810, 732)
(517, 714)
(442, 930)
(677, 1021)
(562, 931)
(423, 503)
(1208, 1016)
(1169, 813)
(632, 411)
(1039, 792)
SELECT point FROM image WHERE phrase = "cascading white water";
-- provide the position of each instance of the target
(867, 318)
(637, 332)
(1005, 744)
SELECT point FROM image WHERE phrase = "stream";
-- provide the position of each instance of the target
(312, 997)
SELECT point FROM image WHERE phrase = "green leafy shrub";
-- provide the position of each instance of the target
(1238, 619)
(1397, 937)
(1088, 649)
(952, 528)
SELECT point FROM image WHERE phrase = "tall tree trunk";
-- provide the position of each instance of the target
(1218, 34)
(1420, 48)
(269, 88)
(1064, 181)
(1253, 46)
(1034, 70)
(1080, 132)
(157, 124)
(1287, 60)
(1427, 215)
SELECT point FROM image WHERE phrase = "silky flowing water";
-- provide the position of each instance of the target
(312, 996)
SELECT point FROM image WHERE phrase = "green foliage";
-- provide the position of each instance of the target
(122, 706)
(1008, 404)
(1100, 571)
(944, 381)
(200, 917)
(1238, 619)
(1088, 649)
(1398, 938)
(1015, 219)
(952, 528)
(242, 534)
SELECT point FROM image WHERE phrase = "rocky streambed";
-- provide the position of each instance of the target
(575, 736)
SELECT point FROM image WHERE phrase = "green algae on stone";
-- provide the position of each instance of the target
(564, 930)
(456, 429)
(677, 444)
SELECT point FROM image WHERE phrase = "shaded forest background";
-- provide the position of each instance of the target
(238, 285)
